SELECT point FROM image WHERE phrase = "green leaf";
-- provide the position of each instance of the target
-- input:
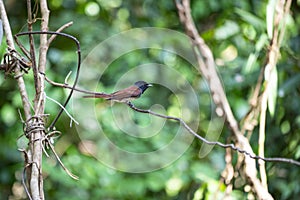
(273, 82)
(262, 41)
(250, 63)
(270, 10)
(252, 59)
(229, 29)
(250, 18)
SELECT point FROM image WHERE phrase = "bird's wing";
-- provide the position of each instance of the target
(130, 92)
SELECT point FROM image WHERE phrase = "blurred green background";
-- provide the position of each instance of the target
(235, 31)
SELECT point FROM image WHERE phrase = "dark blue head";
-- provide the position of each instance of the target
(142, 85)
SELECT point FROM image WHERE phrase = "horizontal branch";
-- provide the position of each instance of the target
(65, 85)
(232, 146)
(189, 129)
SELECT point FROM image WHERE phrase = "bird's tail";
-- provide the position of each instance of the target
(99, 95)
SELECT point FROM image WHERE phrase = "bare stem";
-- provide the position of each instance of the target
(36, 147)
(11, 46)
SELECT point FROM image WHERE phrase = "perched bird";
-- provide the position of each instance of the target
(124, 95)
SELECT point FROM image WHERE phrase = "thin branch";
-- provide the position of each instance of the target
(27, 165)
(220, 144)
(70, 116)
(261, 139)
(43, 49)
(32, 50)
(67, 86)
(232, 146)
(62, 164)
(10, 44)
(23, 49)
(77, 71)
(50, 40)
(24, 182)
(250, 121)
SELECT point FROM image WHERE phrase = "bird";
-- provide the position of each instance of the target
(124, 95)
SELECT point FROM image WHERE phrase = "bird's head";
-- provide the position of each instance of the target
(142, 85)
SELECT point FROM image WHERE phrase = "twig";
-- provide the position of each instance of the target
(78, 66)
(72, 118)
(59, 30)
(261, 139)
(24, 182)
(23, 49)
(65, 85)
(10, 44)
(249, 122)
(231, 146)
(62, 164)
(27, 165)
(67, 77)
(32, 52)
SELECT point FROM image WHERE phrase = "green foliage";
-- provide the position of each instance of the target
(236, 31)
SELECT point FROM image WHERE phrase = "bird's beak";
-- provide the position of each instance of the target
(149, 85)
